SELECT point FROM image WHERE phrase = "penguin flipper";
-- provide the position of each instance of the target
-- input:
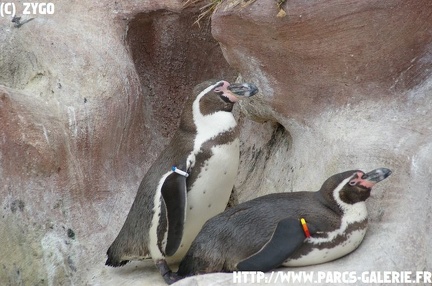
(287, 238)
(174, 194)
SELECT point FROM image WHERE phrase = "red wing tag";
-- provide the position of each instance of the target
(305, 227)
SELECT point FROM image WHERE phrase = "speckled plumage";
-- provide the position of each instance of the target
(206, 146)
(336, 216)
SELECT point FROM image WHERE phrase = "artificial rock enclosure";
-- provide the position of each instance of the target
(90, 94)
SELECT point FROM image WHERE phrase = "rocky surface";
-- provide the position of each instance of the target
(90, 94)
(344, 85)
(88, 97)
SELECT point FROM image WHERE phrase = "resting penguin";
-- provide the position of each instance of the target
(189, 182)
(290, 229)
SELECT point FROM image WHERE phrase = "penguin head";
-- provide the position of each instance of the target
(221, 95)
(354, 186)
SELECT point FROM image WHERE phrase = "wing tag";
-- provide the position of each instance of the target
(305, 227)
(180, 172)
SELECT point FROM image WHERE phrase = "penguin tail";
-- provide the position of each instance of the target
(115, 263)
(186, 267)
(190, 266)
(113, 259)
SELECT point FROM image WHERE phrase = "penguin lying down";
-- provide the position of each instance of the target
(289, 229)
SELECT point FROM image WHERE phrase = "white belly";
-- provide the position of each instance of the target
(317, 256)
(209, 194)
(352, 214)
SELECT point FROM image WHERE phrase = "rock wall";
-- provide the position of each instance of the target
(88, 97)
(90, 94)
(345, 85)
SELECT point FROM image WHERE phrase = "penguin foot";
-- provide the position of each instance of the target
(169, 276)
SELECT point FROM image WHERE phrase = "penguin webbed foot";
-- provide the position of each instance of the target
(168, 276)
(171, 277)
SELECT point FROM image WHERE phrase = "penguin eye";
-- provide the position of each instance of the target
(216, 88)
(352, 183)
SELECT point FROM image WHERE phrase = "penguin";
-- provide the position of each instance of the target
(190, 181)
(285, 229)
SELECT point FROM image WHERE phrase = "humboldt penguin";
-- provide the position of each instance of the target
(289, 229)
(190, 182)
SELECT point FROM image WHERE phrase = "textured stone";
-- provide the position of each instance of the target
(88, 97)
(344, 85)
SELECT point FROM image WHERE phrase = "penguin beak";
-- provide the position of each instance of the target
(243, 89)
(376, 175)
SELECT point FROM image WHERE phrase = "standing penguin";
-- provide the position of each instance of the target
(189, 182)
(290, 229)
